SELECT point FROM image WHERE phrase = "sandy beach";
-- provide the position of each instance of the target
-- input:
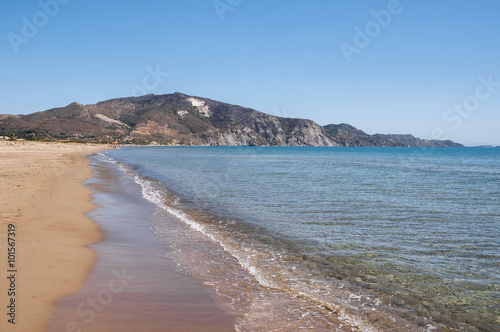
(44, 201)
(133, 286)
(52, 269)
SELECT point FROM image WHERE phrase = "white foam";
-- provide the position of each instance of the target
(154, 195)
(105, 157)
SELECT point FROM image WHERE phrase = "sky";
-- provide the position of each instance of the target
(422, 67)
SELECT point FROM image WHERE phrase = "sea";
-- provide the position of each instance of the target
(330, 238)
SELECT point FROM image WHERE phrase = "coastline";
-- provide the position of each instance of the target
(44, 198)
(199, 251)
(133, 286)
(64, 253)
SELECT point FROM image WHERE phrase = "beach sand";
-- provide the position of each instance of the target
(44, 198)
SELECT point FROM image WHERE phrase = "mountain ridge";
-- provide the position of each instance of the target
(180, 119)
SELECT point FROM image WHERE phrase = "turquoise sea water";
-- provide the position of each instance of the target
(383, 239)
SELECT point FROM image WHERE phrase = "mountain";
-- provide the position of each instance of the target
(187, 120)
(410, 140)
(347, 135)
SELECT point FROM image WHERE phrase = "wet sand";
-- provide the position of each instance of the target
(133, 287)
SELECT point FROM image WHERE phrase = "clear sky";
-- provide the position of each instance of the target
(425, 67)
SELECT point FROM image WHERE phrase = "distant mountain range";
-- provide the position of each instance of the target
(179, 119)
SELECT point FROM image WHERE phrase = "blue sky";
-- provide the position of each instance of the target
(425, 67)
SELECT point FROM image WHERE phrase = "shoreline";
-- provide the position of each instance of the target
(212, 257)
(60, 248)
(45, 200)
(133, 286)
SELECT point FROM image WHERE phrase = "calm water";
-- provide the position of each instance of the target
(382, 239)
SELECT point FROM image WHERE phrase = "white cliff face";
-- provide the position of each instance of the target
(201, 106)
(107, 119)
(182, 113)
